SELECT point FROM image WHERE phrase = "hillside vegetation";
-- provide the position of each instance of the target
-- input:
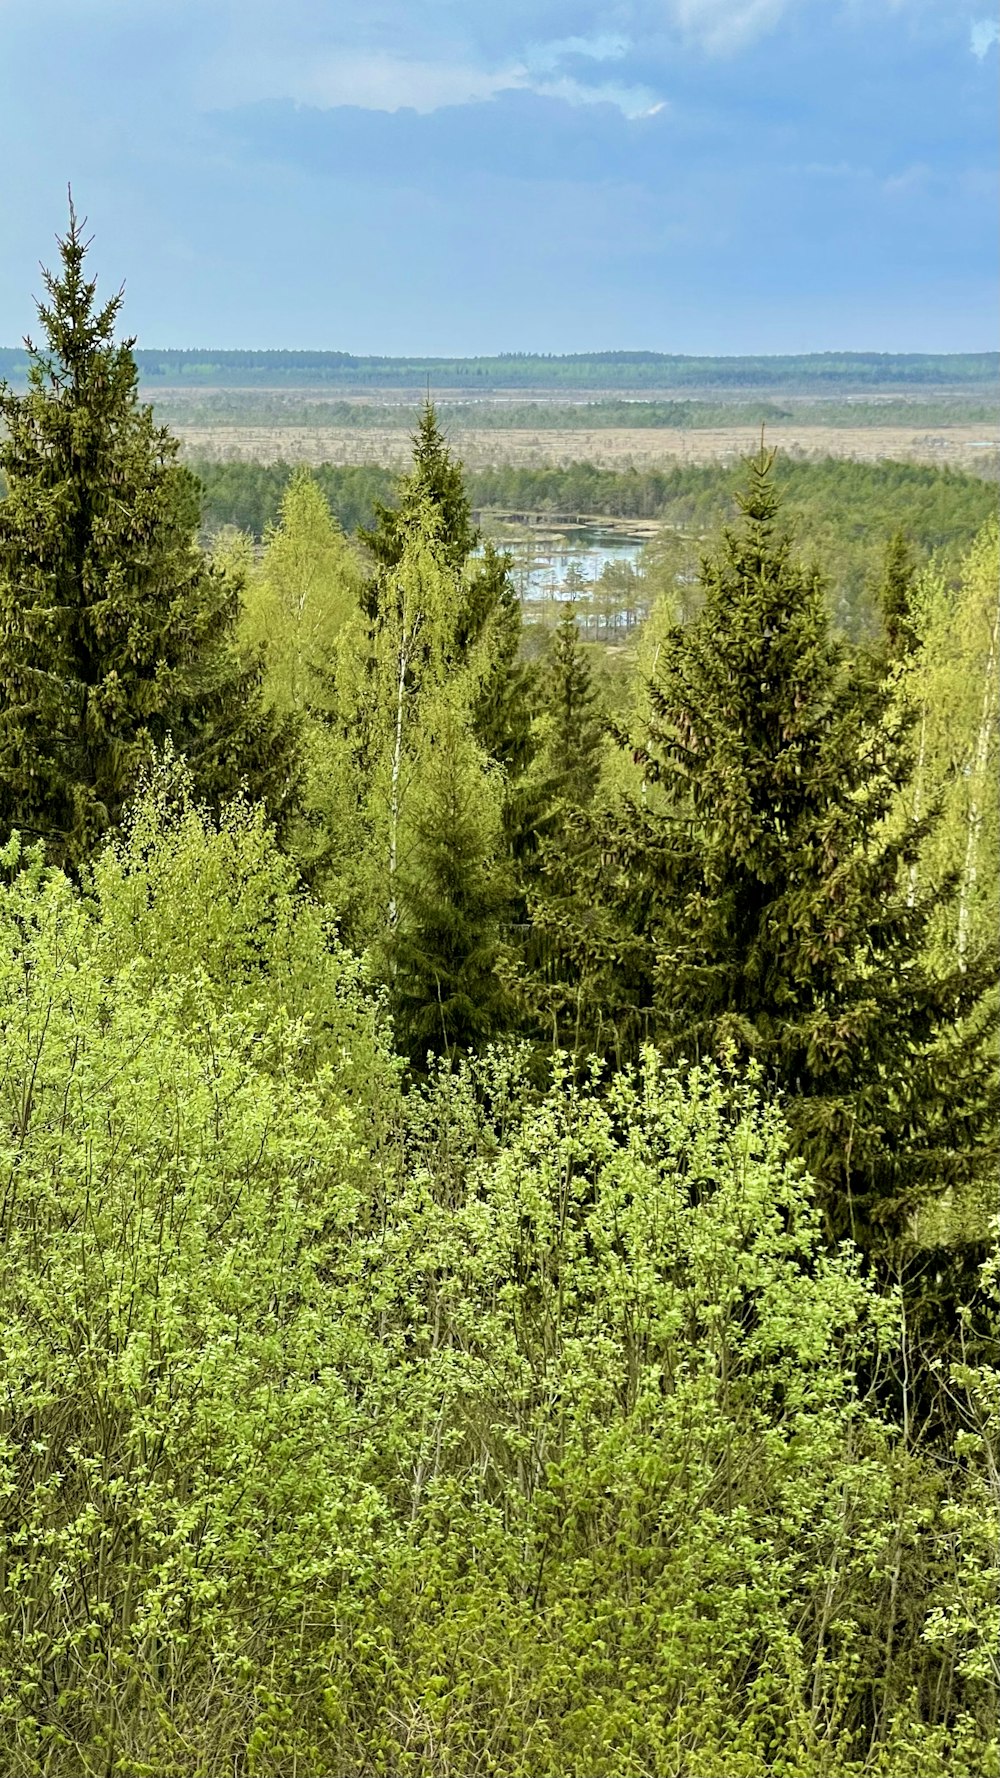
(498, 1232)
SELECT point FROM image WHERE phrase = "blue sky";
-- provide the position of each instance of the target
(412, 176)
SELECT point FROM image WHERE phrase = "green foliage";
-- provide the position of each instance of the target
(571, 716)
(442, 952)
(950, 679)
(847, 510)
(569, 730)
(758, 904)
(820, 371)
(300, 597)
(115, 631)
(189, 404)
(181, 1165)
(434, 480)
(490, 628)
(370, 1414)
(249, 495)
(426, 674)
(213, 905)
(385, 692)
(896, 596)
(967, 1620)
(532, 1445)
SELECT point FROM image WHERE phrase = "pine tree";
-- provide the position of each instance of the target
(755, 903)
(115, 632)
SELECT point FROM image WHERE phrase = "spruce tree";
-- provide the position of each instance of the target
(435, 480)
(115, 633)
(755, 903)
(574, 727)
(442, 952)
(487, 611)
(565, 768)
(895, 596)
(555, 826)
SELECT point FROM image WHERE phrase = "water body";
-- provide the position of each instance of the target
(596, 567)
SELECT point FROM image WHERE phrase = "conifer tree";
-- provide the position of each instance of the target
(487, 613)
(442, 953)
(551, 841)
(570, 708)
(896, 594)
(756, 903)
(115, 632)
(489, 625)
(435, 480)
(566, 763)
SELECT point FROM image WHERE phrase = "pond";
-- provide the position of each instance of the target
(597, 567)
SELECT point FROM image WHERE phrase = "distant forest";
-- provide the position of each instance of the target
(937, 508)
(499, 1263)
(848, 510)
(815, 372)
(561, 411)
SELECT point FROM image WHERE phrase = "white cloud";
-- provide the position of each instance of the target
(632, 101)
(607, 48)
(379, 81)
(722, 26)
(984, 33)
(374, 81)
(912, 180)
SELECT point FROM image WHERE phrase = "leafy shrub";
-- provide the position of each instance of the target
(468, 1432)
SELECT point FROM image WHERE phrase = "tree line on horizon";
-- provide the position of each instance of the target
(599, 370)
(500, 1180)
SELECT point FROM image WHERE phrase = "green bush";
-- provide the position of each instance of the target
(462, 1432)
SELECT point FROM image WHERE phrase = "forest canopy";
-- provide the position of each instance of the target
(498, 1241)
(826, 371)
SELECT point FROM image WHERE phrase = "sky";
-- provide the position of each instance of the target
(464, 176)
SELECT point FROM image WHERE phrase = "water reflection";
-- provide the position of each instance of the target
(598, 568)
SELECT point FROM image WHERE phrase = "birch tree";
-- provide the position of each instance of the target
(951, 681)
(302, 594)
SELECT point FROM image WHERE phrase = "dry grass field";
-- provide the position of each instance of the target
(964, 447)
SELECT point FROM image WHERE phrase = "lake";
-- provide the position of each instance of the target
(597, 567)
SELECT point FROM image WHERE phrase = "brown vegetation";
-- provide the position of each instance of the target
(972, 447)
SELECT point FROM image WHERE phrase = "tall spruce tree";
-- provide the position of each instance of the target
(487, 609)
(433, 480)
(442, 952)
(571, 712)
(115, 633)
(565, 768)
(754, 901)
(553, 835)
(895, 596)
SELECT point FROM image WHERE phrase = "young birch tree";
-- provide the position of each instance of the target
(303, 593)
(951, 680)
